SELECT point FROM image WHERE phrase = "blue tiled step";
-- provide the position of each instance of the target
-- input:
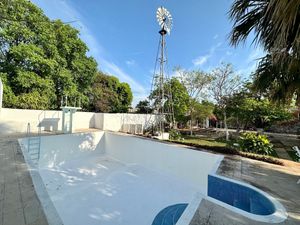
(169, 215)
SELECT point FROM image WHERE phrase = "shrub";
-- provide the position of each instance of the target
(233, 151)
(175, 135)
(255, 143)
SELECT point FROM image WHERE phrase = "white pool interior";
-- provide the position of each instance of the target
(113, 179)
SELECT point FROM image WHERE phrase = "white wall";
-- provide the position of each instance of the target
(84, 120)
(56, 149)
(16, 120)
(116, 121)
(189, 165)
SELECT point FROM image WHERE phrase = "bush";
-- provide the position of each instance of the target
(255, 143)
(175, 135)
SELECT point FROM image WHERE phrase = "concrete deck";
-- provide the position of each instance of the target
(19, 204)
(278, 181)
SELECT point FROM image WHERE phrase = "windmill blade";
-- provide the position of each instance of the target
(164, 19)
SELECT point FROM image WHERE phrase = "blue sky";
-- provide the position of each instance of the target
(123, 36)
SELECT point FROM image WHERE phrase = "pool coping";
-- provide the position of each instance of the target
(51, 214)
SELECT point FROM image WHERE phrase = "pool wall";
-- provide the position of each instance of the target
(190, 166)
(244, 199)
(161, 157)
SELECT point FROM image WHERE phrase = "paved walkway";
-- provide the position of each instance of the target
(19, 204)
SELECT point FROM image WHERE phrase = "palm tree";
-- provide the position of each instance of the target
(276, 25)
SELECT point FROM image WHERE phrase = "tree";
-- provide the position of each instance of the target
(196, 82)
(41, 60)
(225, 82)
(251, 111)
(108, 94)
(276, 27)
(144, 107)
(178, 99)
(202, 111)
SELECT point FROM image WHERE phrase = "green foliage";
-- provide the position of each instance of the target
(250, 110)
(281, 82)
(201, 111)
(293, 155)
(229, 150)
(109, 95)
(41, 60)
(195, 82)
(255, 143)
(175, 135)
(276, 28)
(144, 107)
(180, 99)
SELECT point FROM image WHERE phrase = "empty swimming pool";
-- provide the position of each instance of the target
(114, 179)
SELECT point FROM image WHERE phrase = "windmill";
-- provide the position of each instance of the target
(160, 90)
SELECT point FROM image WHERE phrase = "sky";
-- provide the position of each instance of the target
(122, 35)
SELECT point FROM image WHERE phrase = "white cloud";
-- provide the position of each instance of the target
(201, 60)
(216, 36)
(130, 62)
(64, 11)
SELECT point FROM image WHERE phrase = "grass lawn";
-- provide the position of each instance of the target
(203, 141)
(224, 147)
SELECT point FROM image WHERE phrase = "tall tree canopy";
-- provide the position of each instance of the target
(110, 95)
(276, 25)
(144, 107)
(41, 60)
(178, 99)
(225, 82)
(196, 83)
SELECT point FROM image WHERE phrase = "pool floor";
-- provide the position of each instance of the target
(101, 190)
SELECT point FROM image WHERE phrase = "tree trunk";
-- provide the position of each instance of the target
(225, 125)
(191, 127)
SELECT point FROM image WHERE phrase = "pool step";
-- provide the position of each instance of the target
(169, 215)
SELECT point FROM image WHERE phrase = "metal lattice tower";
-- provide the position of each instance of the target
(161, 90)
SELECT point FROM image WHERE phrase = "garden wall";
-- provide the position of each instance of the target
(16, 120)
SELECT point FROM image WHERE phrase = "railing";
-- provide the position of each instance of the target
(34, 144)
